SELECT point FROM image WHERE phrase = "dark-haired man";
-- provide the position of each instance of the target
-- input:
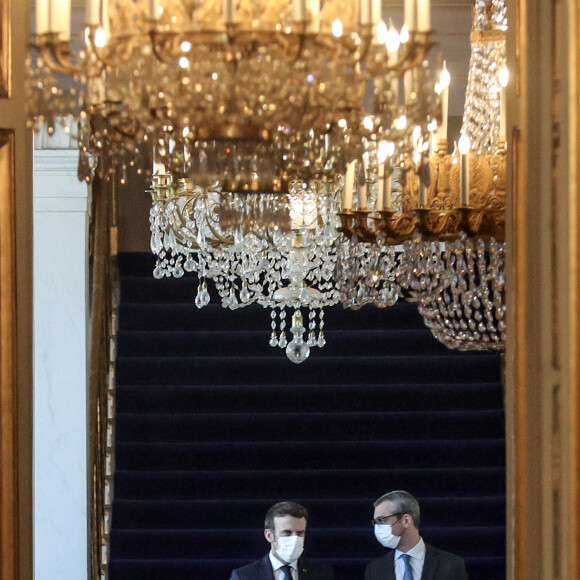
(396, 522)
(284, 528)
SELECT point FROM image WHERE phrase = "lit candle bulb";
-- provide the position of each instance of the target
(337, 28)
(464, 146)
(392, 43)
(382, 32)
(443, 90)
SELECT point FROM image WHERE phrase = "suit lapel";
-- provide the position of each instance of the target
(266, 570)
(303, 569)
(390, 565)
(431, 559)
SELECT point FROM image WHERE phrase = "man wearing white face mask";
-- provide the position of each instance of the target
(284, 528)
(396, 524)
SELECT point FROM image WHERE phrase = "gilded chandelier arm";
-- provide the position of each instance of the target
(55, 53)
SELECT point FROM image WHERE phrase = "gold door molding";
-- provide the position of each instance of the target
(15, 298)
(8, 379)
(5, 47)
(543, 350)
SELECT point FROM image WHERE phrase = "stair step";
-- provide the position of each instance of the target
(324, 513)
(309, 454)
(295, 397)
(205, 342)
(305, 426)
(213, 426)
(480, 568)
(151, 544)
(186, 316)
(259, 370)
(318, 483)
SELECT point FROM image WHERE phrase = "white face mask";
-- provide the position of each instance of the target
(290, 548)
(384, 534)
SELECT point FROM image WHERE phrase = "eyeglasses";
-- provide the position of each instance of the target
(384, 520)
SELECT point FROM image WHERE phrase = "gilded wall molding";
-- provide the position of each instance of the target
(8, 375)
(5, 50)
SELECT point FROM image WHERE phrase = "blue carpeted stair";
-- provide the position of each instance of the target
(213, 426)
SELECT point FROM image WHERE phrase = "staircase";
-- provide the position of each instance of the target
(213, 426)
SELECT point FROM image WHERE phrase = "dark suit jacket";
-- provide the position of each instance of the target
(439, 565)
(262, 570)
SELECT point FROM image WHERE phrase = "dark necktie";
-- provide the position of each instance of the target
(408, 574)
(288, 572)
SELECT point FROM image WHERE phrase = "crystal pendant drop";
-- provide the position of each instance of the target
(202, 299)
(245, 293)
(297, 351)
(189, 264)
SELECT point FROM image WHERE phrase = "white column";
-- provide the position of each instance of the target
(60, 367)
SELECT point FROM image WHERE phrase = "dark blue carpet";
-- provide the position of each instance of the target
(213, 426)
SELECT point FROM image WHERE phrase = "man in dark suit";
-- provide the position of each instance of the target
(396, 523)
(284, 528)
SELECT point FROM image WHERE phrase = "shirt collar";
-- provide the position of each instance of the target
(417, 551)
(277, 563)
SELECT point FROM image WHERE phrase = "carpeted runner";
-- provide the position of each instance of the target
(213, 426)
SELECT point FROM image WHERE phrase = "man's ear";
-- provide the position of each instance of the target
(269, 535)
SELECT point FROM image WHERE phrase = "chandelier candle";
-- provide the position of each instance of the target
(381, 186)
(464, 146)
(411, 14)
(362, 184)
(93, 13)
(300, 11)
(377, 11)
(153, 9)
(53, 16)
(366, 12)
(424, 15)
(41, 17)
(349, 185)
(503, 81)
(443, 86)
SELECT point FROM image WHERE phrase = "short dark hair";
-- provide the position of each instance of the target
(284, 508)
(403, 503)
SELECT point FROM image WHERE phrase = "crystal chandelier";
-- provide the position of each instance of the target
(454, 265)
(258, 114)
(250, 93)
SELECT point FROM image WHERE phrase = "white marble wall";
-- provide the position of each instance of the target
(60, 367)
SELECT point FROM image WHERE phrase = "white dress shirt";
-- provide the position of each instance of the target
(278, 574)
(417, 561)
